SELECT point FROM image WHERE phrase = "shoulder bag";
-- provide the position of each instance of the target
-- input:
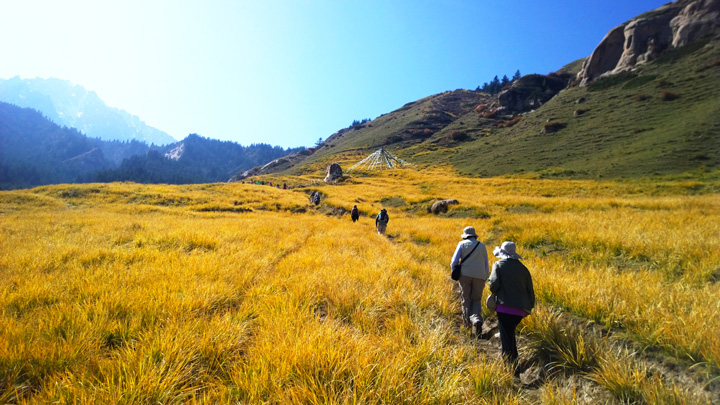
(456, 269)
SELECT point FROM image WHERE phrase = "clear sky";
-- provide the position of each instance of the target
(287, 72)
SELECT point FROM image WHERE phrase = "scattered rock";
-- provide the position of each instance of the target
(532, 376)
(489, 328)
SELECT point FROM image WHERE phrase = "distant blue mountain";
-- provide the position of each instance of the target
(74, 107)
(35, 151)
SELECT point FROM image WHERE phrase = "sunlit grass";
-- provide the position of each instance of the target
(153, 293)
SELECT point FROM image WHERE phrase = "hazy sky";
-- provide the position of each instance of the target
(287, 72)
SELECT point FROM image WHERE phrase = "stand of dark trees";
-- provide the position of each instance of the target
(496, 85)
(202, 160)
(35, 151)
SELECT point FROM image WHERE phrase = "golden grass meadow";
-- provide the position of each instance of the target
(242, 293)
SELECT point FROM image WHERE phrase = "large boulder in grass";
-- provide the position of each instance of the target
(439, 207)
(333, 172)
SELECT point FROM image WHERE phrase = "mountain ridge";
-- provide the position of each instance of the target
(35, 151)
(661, 116)
(73, 106)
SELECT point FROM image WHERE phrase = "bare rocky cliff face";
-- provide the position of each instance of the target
(649, 35)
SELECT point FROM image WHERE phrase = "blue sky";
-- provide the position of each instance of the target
(287, 72)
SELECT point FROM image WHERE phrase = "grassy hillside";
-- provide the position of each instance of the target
(419, 122)
(217, 293)
(662, 118)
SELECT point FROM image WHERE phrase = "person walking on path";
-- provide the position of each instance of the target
(472, 254)
(381, 221)
(354, 213)
(512, 284)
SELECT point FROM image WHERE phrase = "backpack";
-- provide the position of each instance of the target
(383, 216)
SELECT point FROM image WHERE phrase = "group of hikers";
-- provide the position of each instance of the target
(512, 294)
(262, 183)
(511, 287)
(381, 219)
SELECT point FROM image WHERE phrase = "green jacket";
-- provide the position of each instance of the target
(512, 283)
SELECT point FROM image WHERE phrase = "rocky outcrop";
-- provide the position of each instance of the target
(697, 19)
(646, 37)
(531, 91)
(333, 172)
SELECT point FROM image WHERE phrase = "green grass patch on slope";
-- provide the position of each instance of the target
(620, 126)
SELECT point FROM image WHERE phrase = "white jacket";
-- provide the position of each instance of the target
(477, 264)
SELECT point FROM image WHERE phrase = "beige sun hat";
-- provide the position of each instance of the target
(468, 232)
(506, 251)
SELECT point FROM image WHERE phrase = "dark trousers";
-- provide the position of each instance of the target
(507, 324)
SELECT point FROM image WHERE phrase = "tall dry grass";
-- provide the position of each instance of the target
(125, 293)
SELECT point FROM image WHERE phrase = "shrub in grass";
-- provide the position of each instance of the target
(662, 83)
(667, 95)
(638, 81)
(631, 382)
(393, 139)
(459, 136)
(607, 82)
(491, 379)
(560, 344)
(552, 126)
(510, 123)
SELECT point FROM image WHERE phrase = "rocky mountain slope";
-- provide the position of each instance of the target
(643, 103)
(74, 107)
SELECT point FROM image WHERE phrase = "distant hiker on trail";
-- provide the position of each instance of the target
(354, 213)
(381, 221)
(512, 284)
(472, 255)
(316, 198)
(284, 186)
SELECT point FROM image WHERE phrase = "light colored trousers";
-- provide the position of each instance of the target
(471, 290)
(381, 227)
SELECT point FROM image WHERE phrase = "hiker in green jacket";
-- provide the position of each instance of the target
(512, 284)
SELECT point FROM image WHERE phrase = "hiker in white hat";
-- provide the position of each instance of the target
(472, 256)
(512, 286)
